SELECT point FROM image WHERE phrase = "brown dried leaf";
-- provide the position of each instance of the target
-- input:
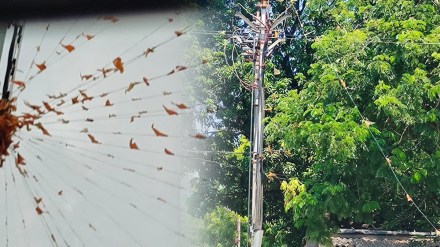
(33, 107)
(89, 36)
(169, 111)
(342, 83)
(69, 48)
(157, 132)
(117, 62)
(107, 103)
(171, 72)
(131, 86)
(105, 71)
(146, 81)
(199, 136)
(133, 117)
(38, 199)
(86, 77)
(148, 51)
(47, 106)
(39, 211)
(16, 145)
(61, 102)
(408, 198)
(133, 145)
(388, 160)
(93, 139)
(40, 126)
(19, 160)
(271, 176)
(41, 66)
(180, 68)
(19, 83)
(168, 152)
(181, 106)
(75, 100)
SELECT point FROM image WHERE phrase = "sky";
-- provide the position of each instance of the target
(101, 194)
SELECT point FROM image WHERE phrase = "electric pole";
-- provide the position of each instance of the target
(263, 29)
(238, 232)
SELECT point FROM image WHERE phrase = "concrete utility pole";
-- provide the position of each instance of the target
(13, 54)
(238, 232)
(263, 28)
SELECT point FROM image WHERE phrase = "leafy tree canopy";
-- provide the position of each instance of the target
(359, 84)
(371, 94)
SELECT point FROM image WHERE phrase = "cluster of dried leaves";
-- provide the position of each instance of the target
(8, 125)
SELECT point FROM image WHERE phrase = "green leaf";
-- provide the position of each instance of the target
(370, 207)
(416, 177)
(399, 154)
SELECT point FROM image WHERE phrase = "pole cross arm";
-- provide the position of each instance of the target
(245, 19)
(272, 46)
(279, 20)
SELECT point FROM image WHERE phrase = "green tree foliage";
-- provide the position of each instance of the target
(373, 87)
(220, 229)
(223, 111)
(226, 113)
(343, 60)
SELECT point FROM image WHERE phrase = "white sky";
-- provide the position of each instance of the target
(107, 183)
